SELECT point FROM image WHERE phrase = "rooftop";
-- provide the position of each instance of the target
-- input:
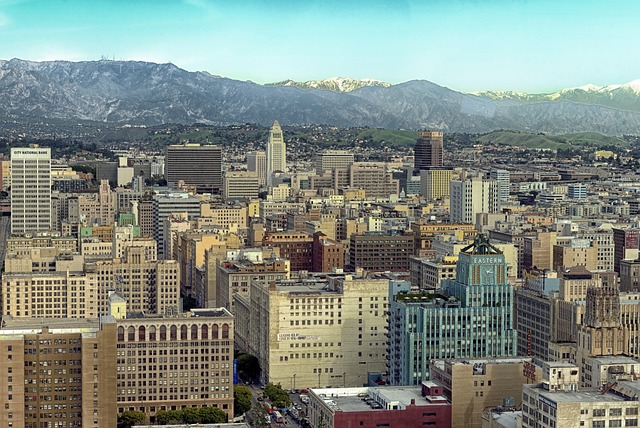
(11, 325)
(363, 398)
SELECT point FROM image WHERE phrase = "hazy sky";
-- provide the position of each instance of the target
(467, 45)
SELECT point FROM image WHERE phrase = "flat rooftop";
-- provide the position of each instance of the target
(584, 396)
(353, 399)
(11, 325)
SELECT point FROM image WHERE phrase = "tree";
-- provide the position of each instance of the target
(169, 417)
(242, 400)
(132, 417)
(211, 415)
(278, 396)
(258, 417)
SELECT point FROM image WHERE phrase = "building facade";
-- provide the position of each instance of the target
(30, 190)
(196, 165)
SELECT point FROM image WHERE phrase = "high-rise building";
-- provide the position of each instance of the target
(163, 206)
(577, 191)
(380, 252)
(434, 182)
(196, 165)
(276, 152)
(473, 318)
(625, 245)
(240, 185)
(30, 190)
(502, 177)
(257, 162)
(335, 346)
(58, 372)
(472, 196)
(429, 150)
(331, 159)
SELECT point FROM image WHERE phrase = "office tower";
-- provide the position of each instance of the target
(630, 275)
(380, 252)
(58, 373)
(456, 324)
(30, 190)
(276, 152)
(196, 165)
(235, 276)
(473, 385)
(338, 345)
(328, 254)
(240, 185)
(502, 177)
(429, 150)
(625, 246)
(577, 191)
(257, 162)
(165, 204)
(434, 182)
(150, 286)
(373, 177)
(469, 197)
(297, 247)
(331, 159)
(198, 346)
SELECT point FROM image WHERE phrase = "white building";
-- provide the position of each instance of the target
(30, 190)
(470, 197)
(276, 152)
(331, 159)
(503, 177)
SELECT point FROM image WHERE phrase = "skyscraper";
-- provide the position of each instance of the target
(276, 152)
(429, 150)
(196, 165)
(470, 197)
(503, 177)
(473, 318)
(257, 162)
(30, 190)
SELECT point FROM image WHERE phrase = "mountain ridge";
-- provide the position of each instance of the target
(145, 93)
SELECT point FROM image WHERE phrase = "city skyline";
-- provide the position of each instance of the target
(533, 47)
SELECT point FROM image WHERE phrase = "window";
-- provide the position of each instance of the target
(598, 412)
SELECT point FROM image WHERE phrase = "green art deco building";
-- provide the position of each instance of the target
(473, 318)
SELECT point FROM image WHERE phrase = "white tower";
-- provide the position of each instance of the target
(276, 152)
(30, 190)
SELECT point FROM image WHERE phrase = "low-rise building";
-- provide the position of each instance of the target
(399, 407)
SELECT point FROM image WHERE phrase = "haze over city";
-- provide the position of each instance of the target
(534, 47)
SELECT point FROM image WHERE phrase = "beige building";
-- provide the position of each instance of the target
(231, 217)
(175, 362)
(57, 373)
(235, 277)
(558, 401)
(576, 252)
(240, 185)
(67, 243)
(434, 182)
(474, 385)
(428, 274)
(50, 295)
(326, 330)
(149, 286)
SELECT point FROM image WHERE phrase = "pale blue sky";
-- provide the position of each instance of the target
(467, 45)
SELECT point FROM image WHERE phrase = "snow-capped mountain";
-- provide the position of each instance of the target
(621, 96)
(144, 93)
(337, 84)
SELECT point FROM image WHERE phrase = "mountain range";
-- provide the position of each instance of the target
(144, 93)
